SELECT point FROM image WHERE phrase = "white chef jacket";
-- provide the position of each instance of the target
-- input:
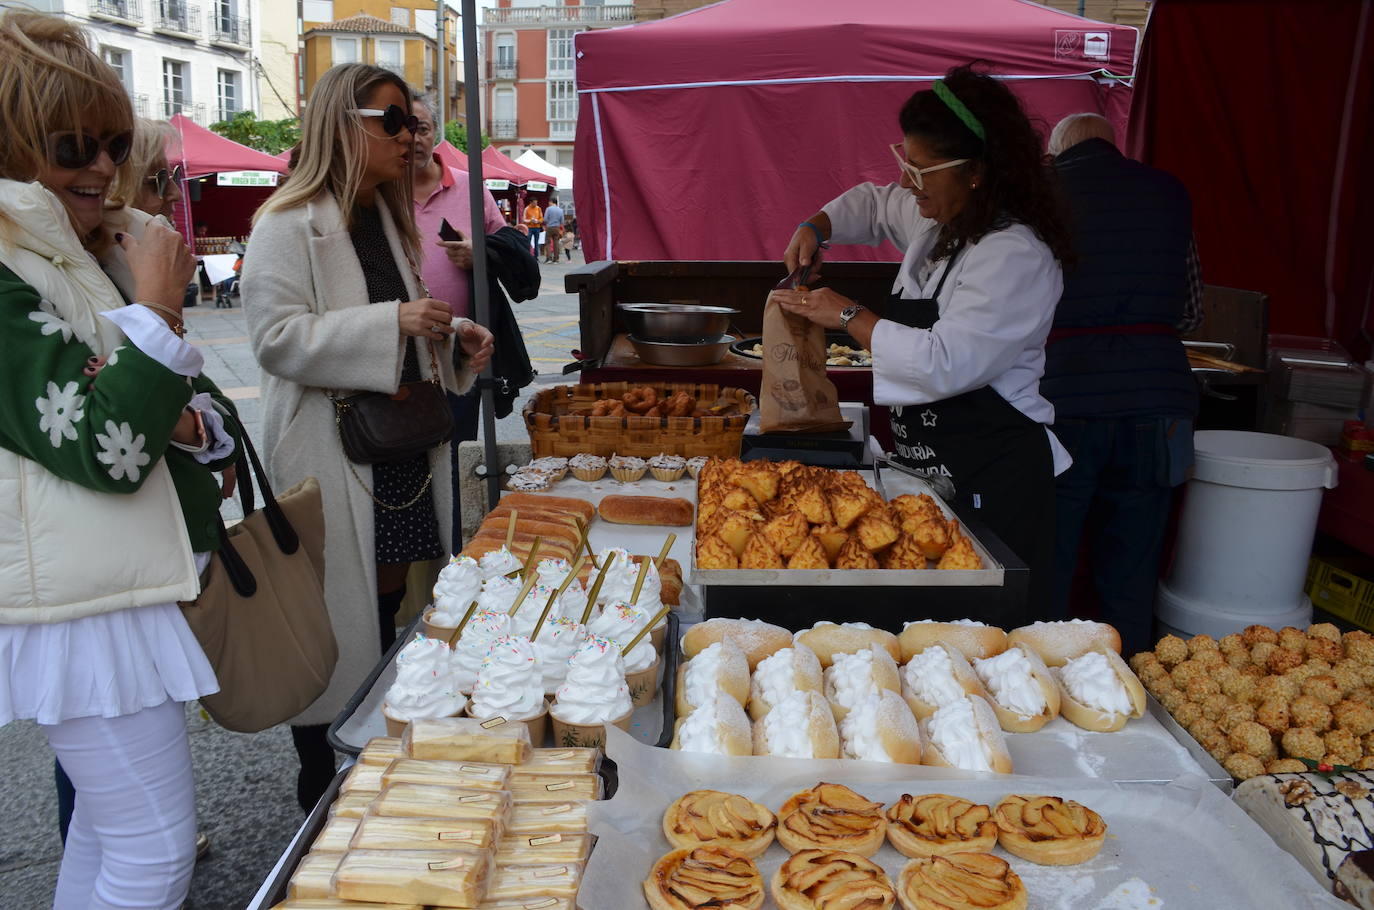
(996, 308)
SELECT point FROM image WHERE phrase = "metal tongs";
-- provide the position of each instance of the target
(800, 276)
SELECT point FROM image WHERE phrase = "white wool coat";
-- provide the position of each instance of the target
(314, 332)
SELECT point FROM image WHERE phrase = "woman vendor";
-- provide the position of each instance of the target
(959, 351)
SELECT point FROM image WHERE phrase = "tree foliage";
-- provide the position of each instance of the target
(270, 136)
(456, 132)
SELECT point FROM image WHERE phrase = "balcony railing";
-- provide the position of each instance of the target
(397, 68)
(502, 69)
(503, 129)
(119, 10)
(142, 108)
(193, 111)
(558, 15)
(177, 18)
(236, 30)
(562, 129)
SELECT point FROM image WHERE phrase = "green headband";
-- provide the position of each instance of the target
(960, 110)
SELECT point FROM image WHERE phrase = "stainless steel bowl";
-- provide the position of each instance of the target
(676, 321)
(693, 352)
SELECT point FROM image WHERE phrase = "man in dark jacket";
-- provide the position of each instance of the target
(1116, 371)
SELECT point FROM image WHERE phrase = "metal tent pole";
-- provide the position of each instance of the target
(480, 291)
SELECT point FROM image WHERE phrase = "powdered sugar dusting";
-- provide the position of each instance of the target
(1132, 894)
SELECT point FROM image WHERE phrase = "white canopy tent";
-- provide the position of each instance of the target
(536, 162)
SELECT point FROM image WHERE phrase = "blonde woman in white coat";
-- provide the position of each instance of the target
(333, 308)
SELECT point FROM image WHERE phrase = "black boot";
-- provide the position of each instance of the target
(317, 763)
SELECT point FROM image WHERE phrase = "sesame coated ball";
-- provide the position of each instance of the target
(1140, 661)
(1234, 714)
(1232, 643)
(1303, 742)
(1347, 674)
(1186, 671)
(1306, 711)
(1213, 705)
(1252, 739)
(1238, 659)
(1201, 688)
(1291, 638)
(1324, 649)
(1171, 699)
(1272, 714)
(1366, 763)
(1201, 642)
(1277, 687)
(1253, 635)
(1171, 650)
(1360, 649)
(1188, 714)
(1260, 651)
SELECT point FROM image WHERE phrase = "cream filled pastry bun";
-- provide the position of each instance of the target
(720, 667)
(854, 677)
(881, 728)
(719, 727)
(756, 638)
(1021, 690)
(792, 669)
(965, 735)
(799, 726)
(936, 677)
(974, 639)
(1057, 643)
(1098, 691)
(828, 639)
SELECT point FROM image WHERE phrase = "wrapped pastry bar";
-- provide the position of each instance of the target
(468, 775)
(547, 818)
(380, 832)
(381, 750)
(467, 739)
(440, 878)
(363, 779)
(314, 875)
(352, 805)
(529, 882)
(419, 801)
(335, 836)
(528, 903)
(333, 903)
(530, 788)
(538, 849)
(562, 761)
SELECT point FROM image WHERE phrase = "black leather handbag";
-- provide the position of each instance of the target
(375, 427)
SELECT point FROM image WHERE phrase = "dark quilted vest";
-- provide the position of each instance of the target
(1132, 225)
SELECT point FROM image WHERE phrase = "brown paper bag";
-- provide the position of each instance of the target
(796, 396)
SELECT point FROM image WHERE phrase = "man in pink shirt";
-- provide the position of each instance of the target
(441, 193)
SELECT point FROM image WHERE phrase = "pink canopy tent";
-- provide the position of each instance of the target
(226, 211)
(493, 161)
(710, 134)
(204, 152)
(450, 156)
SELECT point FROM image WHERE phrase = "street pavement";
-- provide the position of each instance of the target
(245, 784)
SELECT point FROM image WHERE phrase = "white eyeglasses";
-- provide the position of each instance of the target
(913, 172)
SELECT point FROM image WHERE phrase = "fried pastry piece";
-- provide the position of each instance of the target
(934, 824)
(848, 505)
(714, 553)
(933, 537)
(714, 877)
(810, 555)
(831, 817)
(736, 528)
(712, 817)
(916, 508)
(1049, 830)
(904, 554)
(810, 501)
(786, 532)
(854, 555)
(759, 554)
(739, 499)
(761, 479)
(826, 879)
(960, 554)
(832, 538)
(960, 880)
(877, 529)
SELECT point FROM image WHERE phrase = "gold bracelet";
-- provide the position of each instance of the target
(179, 328)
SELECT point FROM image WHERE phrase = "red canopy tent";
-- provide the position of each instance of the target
(450, 156)
(226, 210)
(205, 152)
(710, 134)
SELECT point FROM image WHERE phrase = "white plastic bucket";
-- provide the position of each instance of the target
(1248, 521)
(1175, 615)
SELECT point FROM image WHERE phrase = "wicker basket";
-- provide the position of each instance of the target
(555, 430)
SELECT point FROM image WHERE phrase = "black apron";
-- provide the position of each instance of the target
(983, 455)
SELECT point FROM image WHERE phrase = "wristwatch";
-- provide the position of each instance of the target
(849, 313)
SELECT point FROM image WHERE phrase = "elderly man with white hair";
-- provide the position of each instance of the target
(1116, 371)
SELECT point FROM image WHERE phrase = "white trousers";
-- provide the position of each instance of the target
(132, 841)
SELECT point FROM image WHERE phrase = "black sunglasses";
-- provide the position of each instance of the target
(394, 118)
(165, 179)
(72, 151)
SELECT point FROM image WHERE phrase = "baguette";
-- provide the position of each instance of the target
(1091, 717)
(1057, 643)
(501, 514)
(646, 510)
(548, 530)
(579, 507)
(477, 548)
(1015, 675)
(975, 640)
(965, 735)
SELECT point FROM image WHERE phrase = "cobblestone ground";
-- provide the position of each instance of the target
(245, 785)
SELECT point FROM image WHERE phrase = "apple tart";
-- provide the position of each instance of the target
(934, 824)
(1049, 830)
(831, 880)
(712, 817)
(701, 877)
(831, 817)
(960, 881)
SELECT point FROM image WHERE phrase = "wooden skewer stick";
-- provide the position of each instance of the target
(641, 573)
(596, 588)
(663, 554)
(587, 542)
(553, 598)
(658, 617)
(530, 579)
(510, 527)
(452, 639)
(533, 559)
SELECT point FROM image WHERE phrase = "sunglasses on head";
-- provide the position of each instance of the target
(72, 151)
(165, 179)
(394, 118)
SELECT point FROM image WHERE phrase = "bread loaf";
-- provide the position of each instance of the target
(579, 507)
(646, 510)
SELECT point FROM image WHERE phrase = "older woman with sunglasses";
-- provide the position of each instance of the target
(335, 305)
(959, 350)
(150, 184)
(101, 434)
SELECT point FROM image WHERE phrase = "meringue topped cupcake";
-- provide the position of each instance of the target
(472, 645)
(529, 480)
(588, 467)
(459, 584)
(695, 464)
(558, 640)
(627, 468)
(426, 685)
(510, 684)
(667, 468)
(552, 465)
(499, 562)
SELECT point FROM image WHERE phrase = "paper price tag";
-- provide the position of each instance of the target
(560, 785)
(557, 810)
(546, 839)
(473, 799)
(458, 835)
(456, 863)
(493, 723)
(551, 873)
